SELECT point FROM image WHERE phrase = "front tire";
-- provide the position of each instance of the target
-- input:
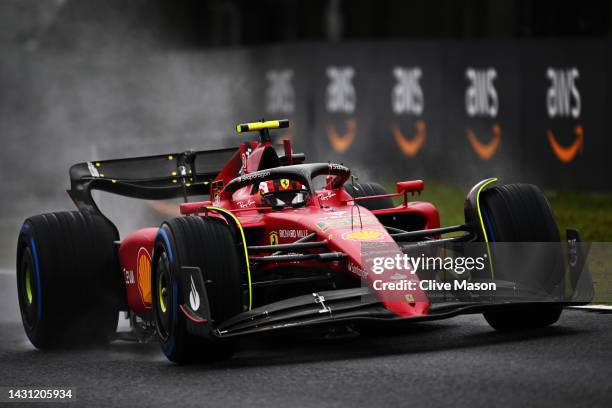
(518, 317)
(520, 213)
(206, 243)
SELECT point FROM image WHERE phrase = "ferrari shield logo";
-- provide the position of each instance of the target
(273, 238)
(284, 183)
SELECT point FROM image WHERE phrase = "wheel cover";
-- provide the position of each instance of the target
(27, 286)
(163, 294)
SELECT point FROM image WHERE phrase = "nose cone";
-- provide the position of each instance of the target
(408, 309)
(398, 290)
(391, 276)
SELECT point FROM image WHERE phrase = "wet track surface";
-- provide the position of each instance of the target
(458, 362)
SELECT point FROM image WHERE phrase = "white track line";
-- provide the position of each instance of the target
(595, 308)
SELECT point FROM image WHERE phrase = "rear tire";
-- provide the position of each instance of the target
(521, 213)
(207, 243)
(357, 190)
(68, 279)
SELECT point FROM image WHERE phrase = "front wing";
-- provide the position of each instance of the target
(360, 305)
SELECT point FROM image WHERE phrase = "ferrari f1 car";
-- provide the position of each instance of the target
(282, 245)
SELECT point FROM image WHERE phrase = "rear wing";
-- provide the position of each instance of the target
(158, 177)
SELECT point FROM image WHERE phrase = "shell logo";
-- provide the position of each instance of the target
(363, 235)
(143, 271)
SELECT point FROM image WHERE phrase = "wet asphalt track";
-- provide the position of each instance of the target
(457, 362)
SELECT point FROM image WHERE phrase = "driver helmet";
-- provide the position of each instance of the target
(280, 186)
(271, 186)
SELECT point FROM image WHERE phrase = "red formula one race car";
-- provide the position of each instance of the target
(283, 245)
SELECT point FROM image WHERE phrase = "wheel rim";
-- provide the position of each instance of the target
(27, 287)
(162, 289)
(163, 295)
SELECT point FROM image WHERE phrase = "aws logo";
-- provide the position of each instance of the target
(340, 93)
(563, 100)
(410, 146)
(281, 99)
(280, 93)
(407, 95)
(341, 97)
(482, 100)
(485, 151)
(407, 98)
(566, 154)
(341, 142)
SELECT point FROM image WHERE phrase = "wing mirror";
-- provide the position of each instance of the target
(412, 186)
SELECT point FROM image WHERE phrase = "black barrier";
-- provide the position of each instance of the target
(456, 111)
